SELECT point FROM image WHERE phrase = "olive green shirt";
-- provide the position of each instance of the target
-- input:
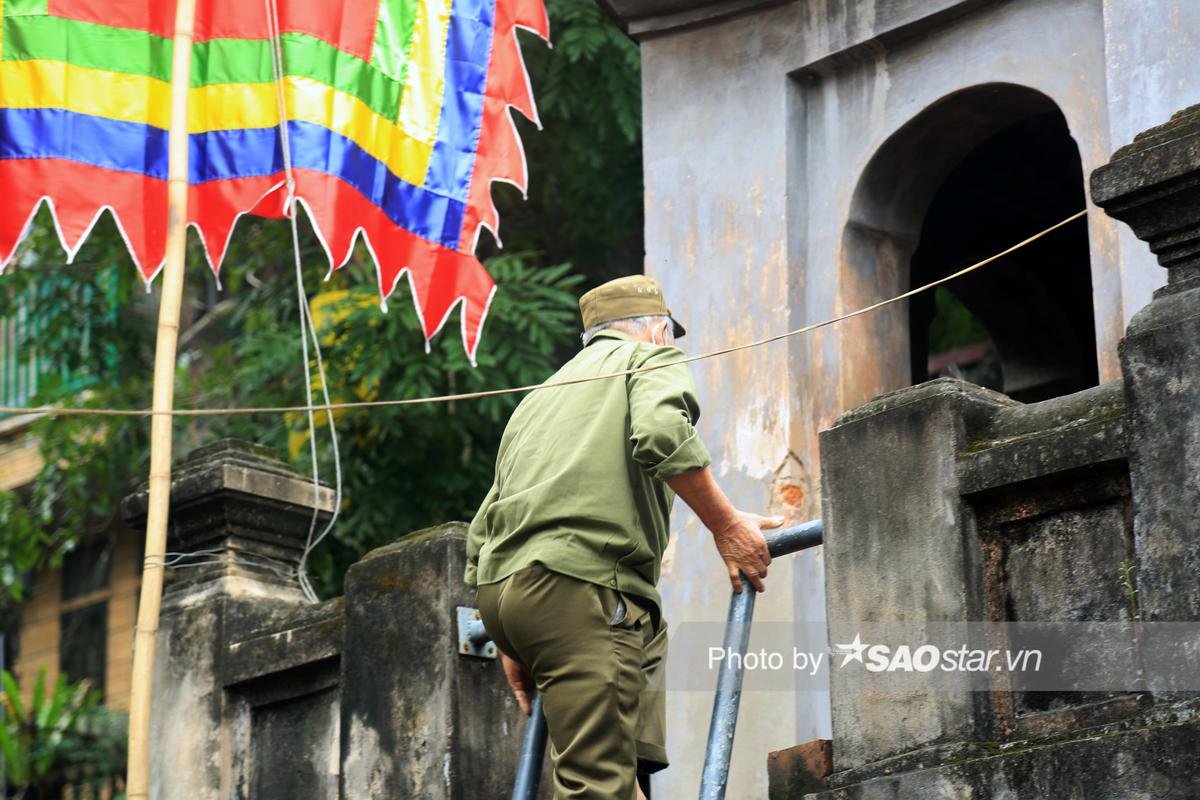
(581, 472)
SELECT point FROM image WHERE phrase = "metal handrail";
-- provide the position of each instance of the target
(533, 751)
(719, 749)
(729, 683)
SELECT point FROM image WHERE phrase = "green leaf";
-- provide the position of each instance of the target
(12, 696)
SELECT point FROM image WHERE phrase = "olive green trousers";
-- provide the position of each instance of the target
(598, 663)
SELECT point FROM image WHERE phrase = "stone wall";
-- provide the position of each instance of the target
(259, 694)
(947, 505)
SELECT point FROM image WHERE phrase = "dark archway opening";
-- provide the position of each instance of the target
(1024, 325)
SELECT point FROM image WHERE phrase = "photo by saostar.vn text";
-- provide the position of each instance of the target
(1129, 655)
(880, 658)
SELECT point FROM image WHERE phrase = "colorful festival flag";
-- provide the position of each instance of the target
(395, 120)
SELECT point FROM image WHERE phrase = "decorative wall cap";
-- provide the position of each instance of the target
(231, 465)
(1153, 186)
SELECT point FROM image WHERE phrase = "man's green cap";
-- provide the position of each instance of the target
(624, 298)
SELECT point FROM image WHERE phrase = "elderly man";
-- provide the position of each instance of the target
(567, 546)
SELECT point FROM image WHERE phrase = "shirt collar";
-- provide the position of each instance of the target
(611, 333)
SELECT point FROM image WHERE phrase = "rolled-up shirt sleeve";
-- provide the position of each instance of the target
(663, 410)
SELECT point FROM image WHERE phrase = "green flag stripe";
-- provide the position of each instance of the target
(249, 61)
(86, 44)
(20, 7)
(393, 37)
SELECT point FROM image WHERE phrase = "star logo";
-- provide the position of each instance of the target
(850, 652)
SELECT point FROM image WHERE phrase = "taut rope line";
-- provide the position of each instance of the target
(452, 398)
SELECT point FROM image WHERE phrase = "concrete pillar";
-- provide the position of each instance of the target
(242, 517)
(419, 719)
(1153, 185)
(899, 549)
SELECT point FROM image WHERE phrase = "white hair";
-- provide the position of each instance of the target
(633, 326)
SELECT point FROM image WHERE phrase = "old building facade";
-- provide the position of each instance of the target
(804, 159)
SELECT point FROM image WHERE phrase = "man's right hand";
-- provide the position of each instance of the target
(744, 549)
(520, 681)
(738, 535)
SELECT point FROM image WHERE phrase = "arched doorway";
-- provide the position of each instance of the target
(971, 175)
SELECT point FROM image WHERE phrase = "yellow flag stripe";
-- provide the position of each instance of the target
(421, 102)
(136, 98)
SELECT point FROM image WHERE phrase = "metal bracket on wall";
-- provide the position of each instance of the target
(473, 638)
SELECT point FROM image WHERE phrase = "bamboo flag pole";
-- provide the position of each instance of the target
(138, 767)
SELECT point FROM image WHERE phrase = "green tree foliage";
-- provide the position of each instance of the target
(403, 468)
(94, 338)
(585, 166)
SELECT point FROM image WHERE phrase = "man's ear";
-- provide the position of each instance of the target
(662, 330)
(668, 333)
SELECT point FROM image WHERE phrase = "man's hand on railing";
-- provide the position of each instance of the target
(520, 681)
(743, 548)
(738, 535)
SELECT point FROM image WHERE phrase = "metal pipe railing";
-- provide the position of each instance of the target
(533, 752)
(729, 682)
(737, 639)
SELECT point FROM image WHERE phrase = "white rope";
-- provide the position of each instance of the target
(333, 438)
(171, 558)
(281, 100)
(64, 411)
(307, 329)
(283, 572)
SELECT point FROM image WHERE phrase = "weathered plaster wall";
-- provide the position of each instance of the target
(717, 236)
(1150, 49)
(757, 132)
